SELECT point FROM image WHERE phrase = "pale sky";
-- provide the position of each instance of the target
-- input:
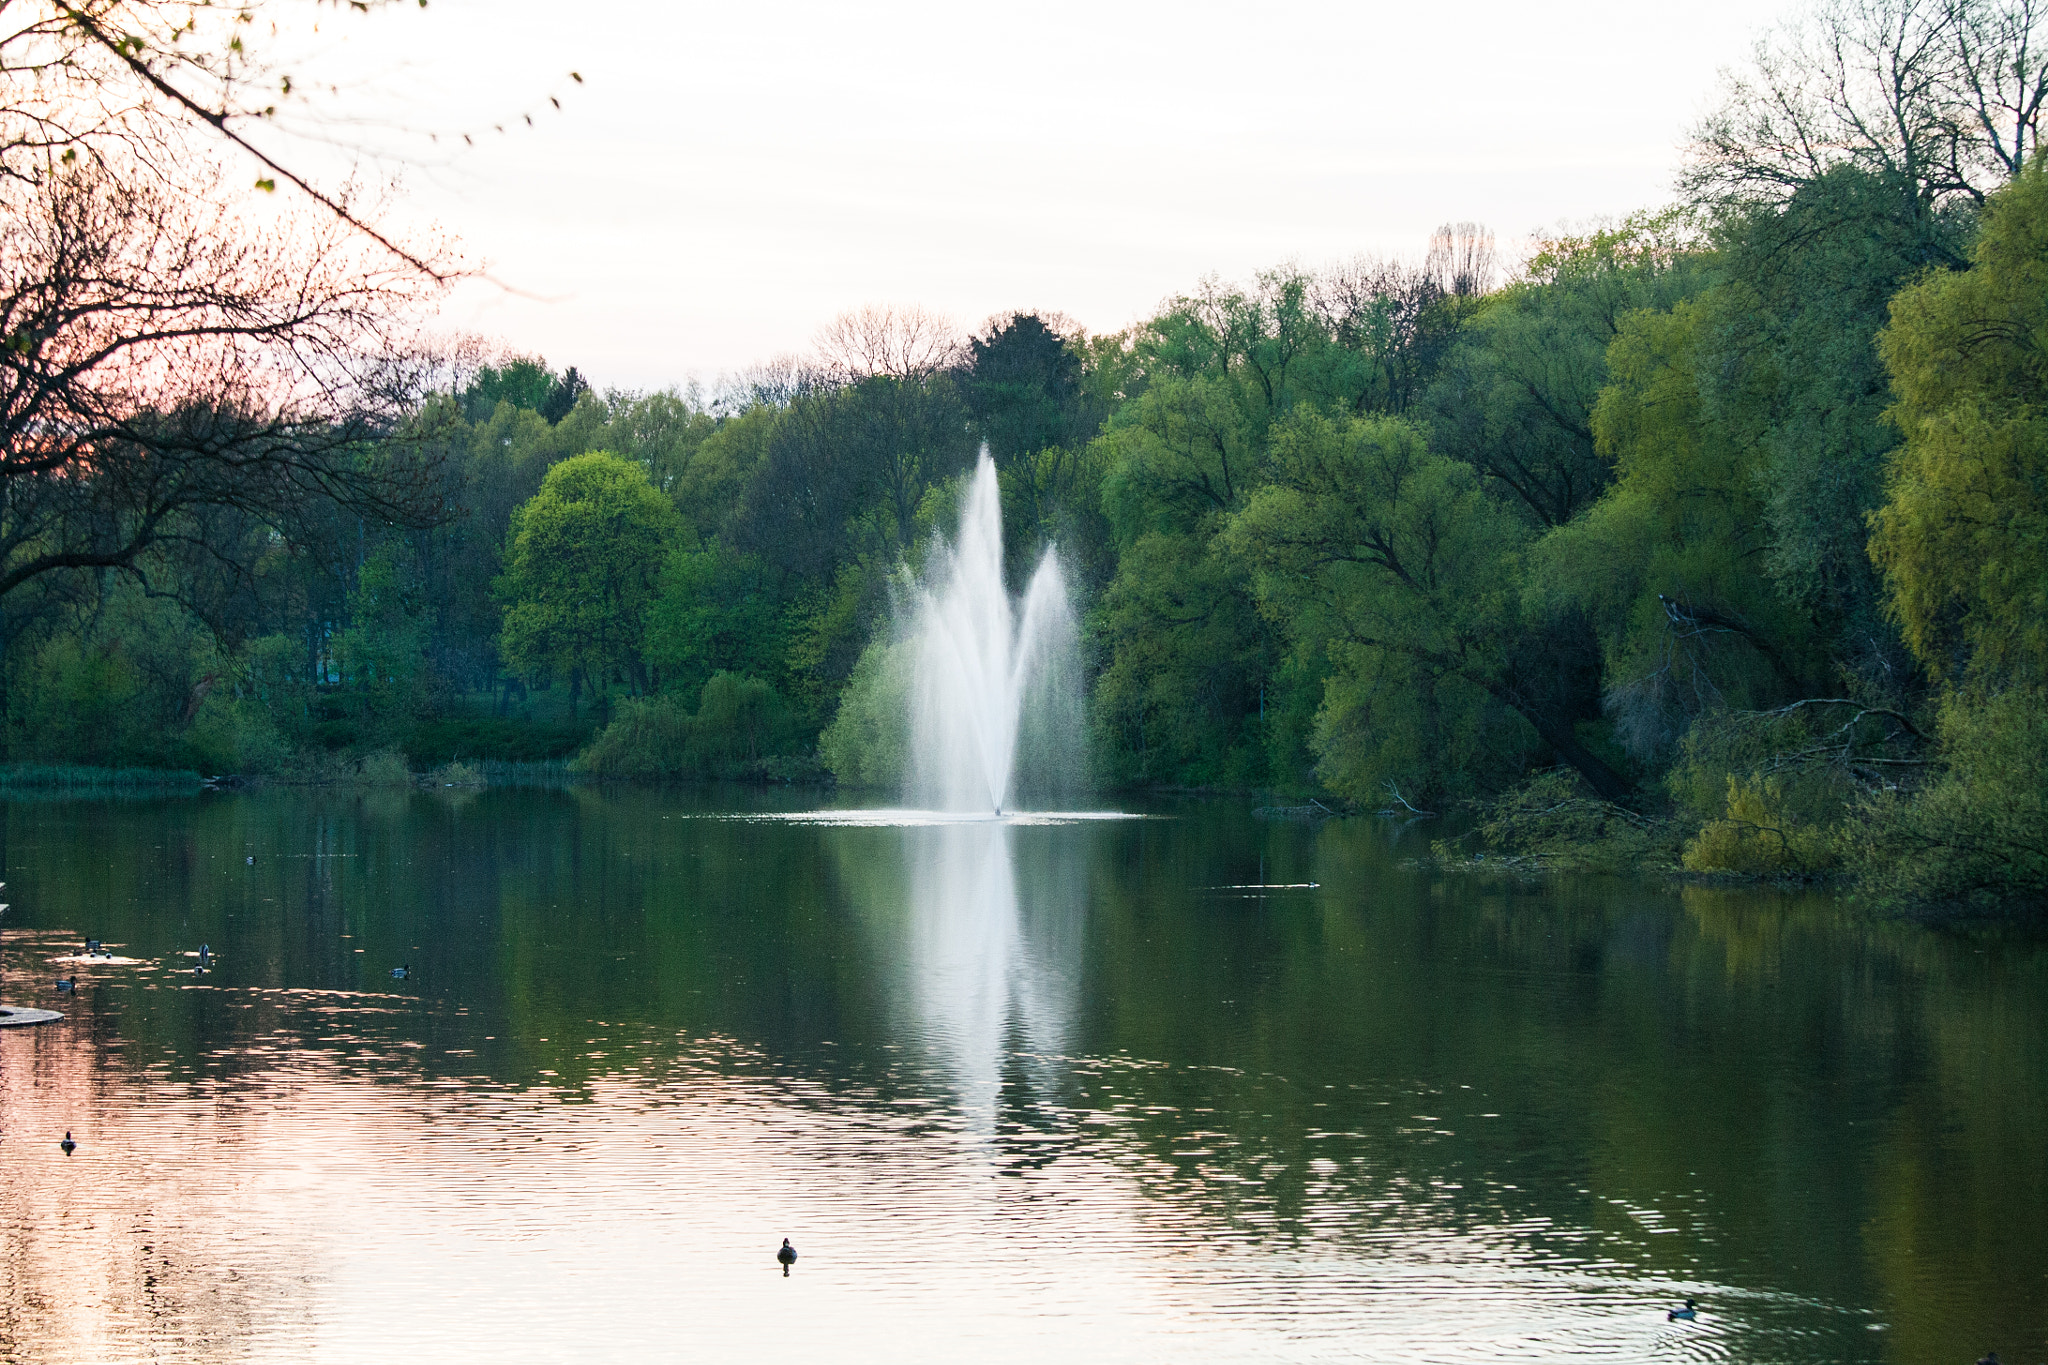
(728, 178)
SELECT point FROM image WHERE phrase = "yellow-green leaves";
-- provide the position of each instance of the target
(1962, 539)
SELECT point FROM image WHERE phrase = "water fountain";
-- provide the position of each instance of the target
(995, 692)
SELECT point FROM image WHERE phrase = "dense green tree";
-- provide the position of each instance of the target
(1668, 562)
(1962, 537)
(1398, 559)
(713, 612)
(1187, 655)
(1022, 386)
(523, 381)
(381, 654)
(665, 431)
(1962, 541)
(1794, 372)
(581, 568)
(1515, 395)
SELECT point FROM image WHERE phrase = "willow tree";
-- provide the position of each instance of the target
(1962, 539)
(1962, 542)
(1408, 572)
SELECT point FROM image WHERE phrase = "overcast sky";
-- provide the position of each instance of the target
(728, 177)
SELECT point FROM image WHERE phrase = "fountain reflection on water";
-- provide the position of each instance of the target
(995, 976)
(996, 716)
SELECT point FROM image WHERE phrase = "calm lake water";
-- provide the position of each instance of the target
(1191, 1087)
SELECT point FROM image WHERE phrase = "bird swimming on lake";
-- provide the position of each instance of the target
(67, 1144)
(401, 973)
(1685, 1314)
(65, 985)
(787, 1256)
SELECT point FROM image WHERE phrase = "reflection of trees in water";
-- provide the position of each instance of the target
(1935, 1047)
(1800, 1099)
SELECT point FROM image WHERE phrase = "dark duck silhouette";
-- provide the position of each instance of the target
(787, 1256)
(1685, 1314)
(67, 1144)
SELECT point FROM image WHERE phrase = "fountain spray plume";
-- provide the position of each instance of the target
(995, 696)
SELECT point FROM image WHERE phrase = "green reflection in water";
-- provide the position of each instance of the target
(1285, 1029)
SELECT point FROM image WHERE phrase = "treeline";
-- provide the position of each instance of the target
(1713, 536)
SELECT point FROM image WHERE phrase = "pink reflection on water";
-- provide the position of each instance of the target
(340, 1207)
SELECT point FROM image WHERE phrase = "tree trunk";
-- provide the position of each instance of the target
(1611, 785)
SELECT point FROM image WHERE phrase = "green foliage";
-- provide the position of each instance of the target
(477, 739)
(1798, 375)
(1551, 821)
(1976, 837)
(741, 727)
(117, 689)
(1757, 836)
(1398, 562)
(584, 557)
(1023, 389)
(1188, 655)
(712, 613)
(520, 381)
(79, 704)
(1962, 538)
(868, 742)
(1516, 394)
(382, 652)
(239, 735)
(1665, 564)
(665, 431)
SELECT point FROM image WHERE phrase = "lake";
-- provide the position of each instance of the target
(1191, 1086)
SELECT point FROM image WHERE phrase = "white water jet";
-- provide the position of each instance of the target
(995, 692)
